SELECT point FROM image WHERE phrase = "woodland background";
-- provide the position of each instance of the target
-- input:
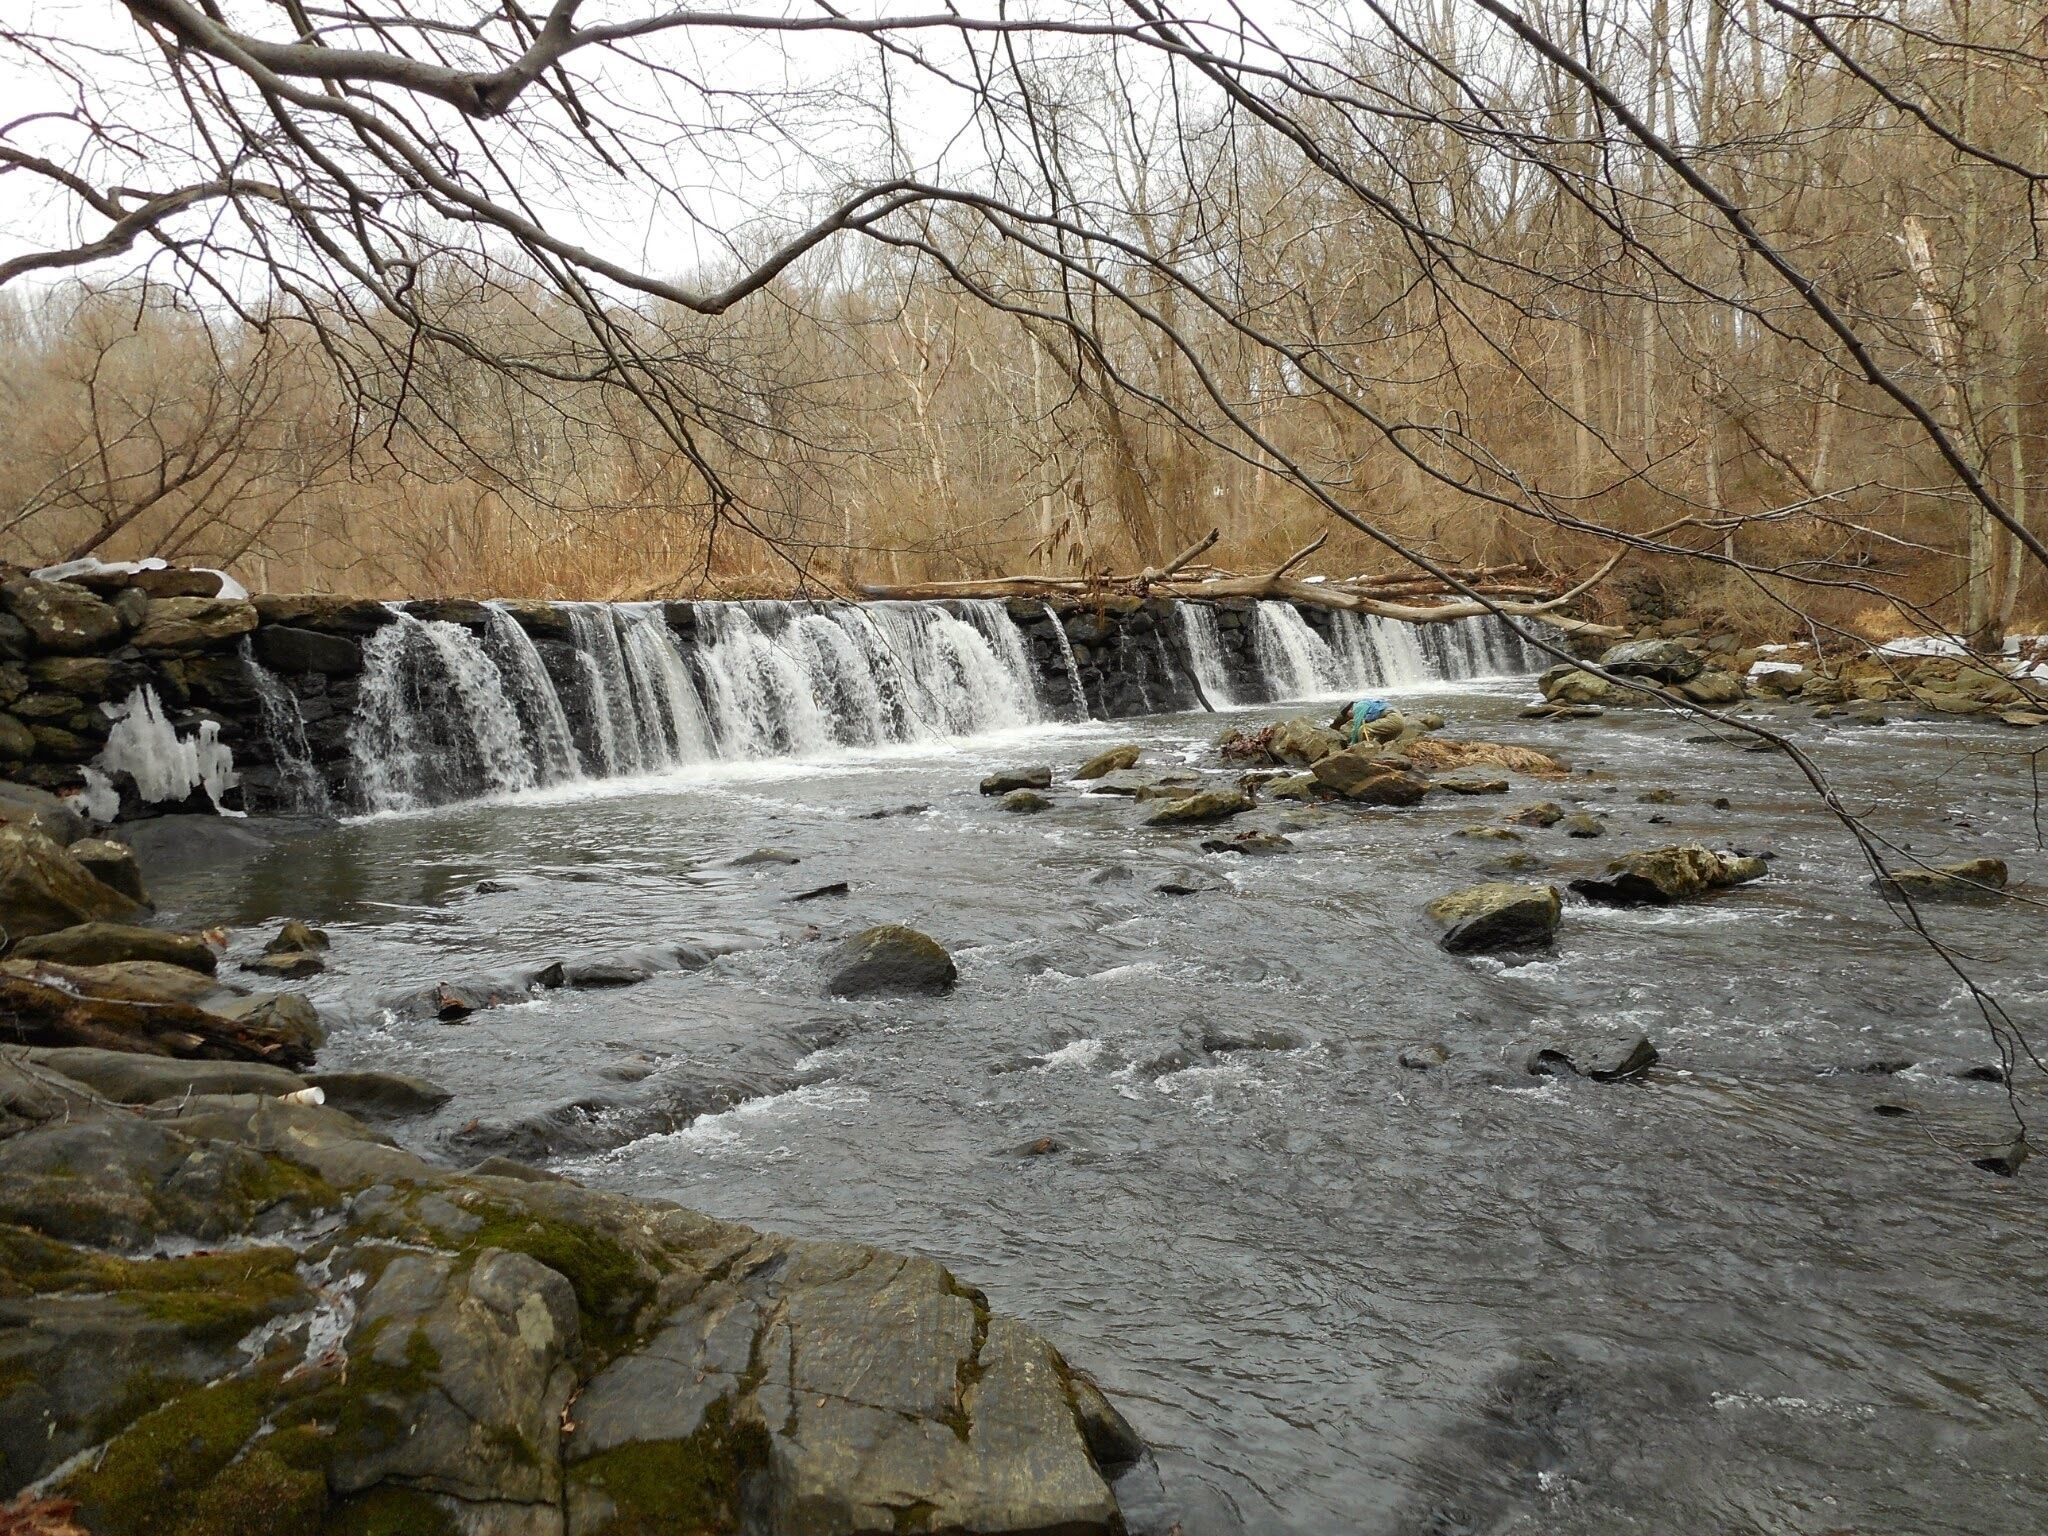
(1573, 325)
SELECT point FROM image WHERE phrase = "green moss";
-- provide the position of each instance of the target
(612, 1283)
(387, 1511)
(693, 1487)
(271, 1181)
(374, 1403)
(153, 1474)
(214, 1298)
(258, 1495)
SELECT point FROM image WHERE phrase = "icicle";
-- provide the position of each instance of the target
(165, 766)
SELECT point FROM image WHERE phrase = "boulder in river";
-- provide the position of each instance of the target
(42, 888)
(1250, 843)
(1603, 1059)
(1540, 813)
(1665, 661)
(1583, 824)
(1714, 689)
(128, 1077)
(1438, 753)
(1969, 880)
(1498, 915)
(1111, 761)
(1007, 779)
(111, 943)
(1302, 742)
(890, 959)
(1575, 687)
(297, 938)
(1362, 774)
(517, 1355)
(286, 965)
(1467, 785)
(1025, 802)
(1201, 807)
(1657, 877)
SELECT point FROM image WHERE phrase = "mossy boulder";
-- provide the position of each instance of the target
(418, 1352)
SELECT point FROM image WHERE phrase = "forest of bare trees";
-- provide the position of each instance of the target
(1755, 289)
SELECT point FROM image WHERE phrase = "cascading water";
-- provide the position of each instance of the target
(1292, 657)
(447, 712)
(1203, 639)
(434, 721)
(1076, 693)
(299, 782)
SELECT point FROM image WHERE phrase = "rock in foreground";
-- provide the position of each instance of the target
(1206, 806)
(1498, 915)
(890, 959)
(1660, 876)
(500, 1355)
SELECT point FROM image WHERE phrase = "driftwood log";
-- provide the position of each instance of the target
(1514, 590)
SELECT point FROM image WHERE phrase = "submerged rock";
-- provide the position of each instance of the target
(1495, 916)
(1250, 843)
(112, 943)
(1603, 1060)
(1002, 782)
(1203, 806)
(1660, 876)
(1542, 813)
(385, 1094)
(1583, 824)
(890, 959)
(1111, 761)
(43, 888)
(1025, 802)
(1423, 1058)
(1969, 880)
(766, 856)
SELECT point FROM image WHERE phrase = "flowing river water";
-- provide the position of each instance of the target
(1335, 1294)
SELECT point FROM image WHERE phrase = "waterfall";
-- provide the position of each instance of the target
(433, 721)
(1293, 658)
(299, 781)
(446, 712)
(1075, 691)
(533, 695)
(1203, 638)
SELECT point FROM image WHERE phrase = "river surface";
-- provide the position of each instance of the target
(1335, 1294)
